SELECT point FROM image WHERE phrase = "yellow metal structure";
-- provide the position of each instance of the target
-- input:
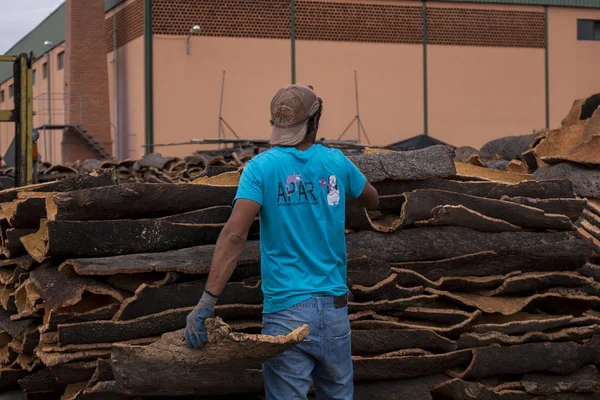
(22, 116)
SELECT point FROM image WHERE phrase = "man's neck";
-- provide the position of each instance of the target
(304, 146)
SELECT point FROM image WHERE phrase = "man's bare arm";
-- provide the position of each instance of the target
(369, 197)
(230, 243)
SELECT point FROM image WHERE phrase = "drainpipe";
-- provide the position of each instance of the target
(546, 67)
(425, 89)
(293, 38)
(116, 88)
(148, 77)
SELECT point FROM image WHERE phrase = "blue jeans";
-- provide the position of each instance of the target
(323, 357)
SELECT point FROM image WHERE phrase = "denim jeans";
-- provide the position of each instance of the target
(322, 358)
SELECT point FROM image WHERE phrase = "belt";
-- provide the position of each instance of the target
(340, 301)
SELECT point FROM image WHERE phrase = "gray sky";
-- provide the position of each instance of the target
(18, 17)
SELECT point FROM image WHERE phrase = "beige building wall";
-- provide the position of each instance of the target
(390, 89)
(130, 62)
(187, 87)
(573, 63)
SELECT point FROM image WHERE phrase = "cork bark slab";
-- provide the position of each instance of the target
(595, 243)
(136, 200)
(147, 326)
(586, 181)
(24, 262)
(10, 376)
(465, 217)
(530, 357)
(534, 255)
(434, 161)
(25, 213)
(150, 299)
(41, 383)
(451, 283)
(210, 215)
(458, 389)
(16, 329)
(227, 354)
(512, 305)
(61, 239)
(105, 177)
(387, 289)
(572, 208)
(591, 218)
(560, 142)
(591, 229)
(376, 368)
(585, 153)
(450, 329)
(59, 290)
(53, 318)
(74, 372)
(420, 204)
(193, 260)
(574, 334)
(520, 323)
(586, 380)
(379, 341)
(590, 270)
(492, 190)
(534, 281)
(593, 205)
(414, 389)
(486, 174)
(11, 242)
(391, 305)
(367, 271)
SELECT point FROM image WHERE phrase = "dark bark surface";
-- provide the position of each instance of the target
(61, 239)
(587, 379)
(494, 190)
(193, 260)
(586, 181)
(137, 200)
(104, 177)
(391, 305)
(74, 372)
(59, 290)
(461, 284)
(465, 217)
(573, 334)
(210, 215)
(535, 281)
(387, 289)
(375, 368)
(534, 255)
(572, 208)
(434, 161)
(367, 271)
(458, 389)
(151, 299)
(12, 246)
(378, 341)
(420, 204)
(25, 213)
(519, 359)
(520, 323)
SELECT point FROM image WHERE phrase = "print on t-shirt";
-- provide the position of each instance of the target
(296, 191)
(333, 191)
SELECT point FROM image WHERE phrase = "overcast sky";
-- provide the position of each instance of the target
(18, 17)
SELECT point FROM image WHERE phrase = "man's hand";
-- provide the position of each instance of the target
(195, 333)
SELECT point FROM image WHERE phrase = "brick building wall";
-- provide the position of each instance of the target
(86, 75)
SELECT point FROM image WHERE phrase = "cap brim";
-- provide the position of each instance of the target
(289, 136)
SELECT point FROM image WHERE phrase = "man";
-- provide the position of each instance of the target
(300, 190)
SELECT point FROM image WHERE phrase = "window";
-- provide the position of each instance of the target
(11, 90)
(588, 29)
(1, 96)
(33, 76)
(45, 70)
(61, 60)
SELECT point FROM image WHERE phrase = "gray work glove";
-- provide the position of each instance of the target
(195, 333)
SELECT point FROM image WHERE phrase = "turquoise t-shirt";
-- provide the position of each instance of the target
(302, 218)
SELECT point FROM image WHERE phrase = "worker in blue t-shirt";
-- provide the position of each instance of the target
(299, 190)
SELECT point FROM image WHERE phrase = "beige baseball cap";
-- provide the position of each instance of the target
(291, 109)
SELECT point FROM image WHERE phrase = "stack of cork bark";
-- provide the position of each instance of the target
(462, 288)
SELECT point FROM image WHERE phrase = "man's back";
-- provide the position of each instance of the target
(302, 195)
